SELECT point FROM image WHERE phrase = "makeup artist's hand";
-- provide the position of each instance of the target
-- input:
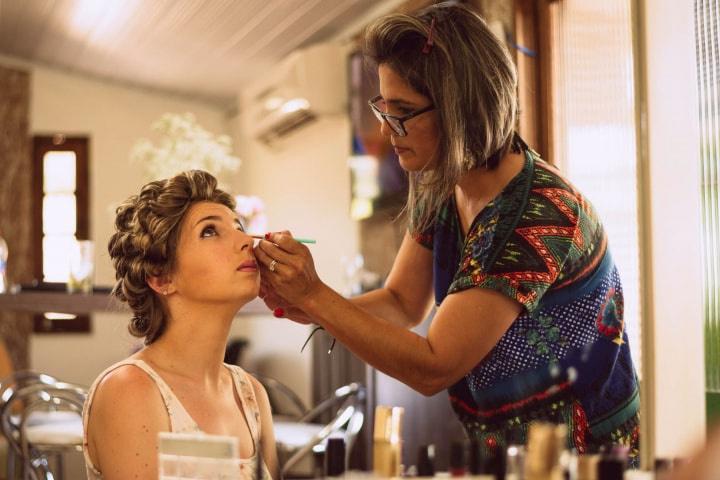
(280, 307)
(287, 267)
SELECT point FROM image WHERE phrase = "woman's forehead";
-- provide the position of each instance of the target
(395, 89)
(201, 210)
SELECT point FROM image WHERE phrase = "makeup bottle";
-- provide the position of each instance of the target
(335, 457)
(458, 459)
(426, 461)
(546, 442)
(387, 441)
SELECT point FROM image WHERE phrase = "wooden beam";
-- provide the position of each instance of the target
(534, 58)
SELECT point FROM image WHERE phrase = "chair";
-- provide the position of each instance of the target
(8, 385)
(284, 402)
(298, 438)
(49, 423)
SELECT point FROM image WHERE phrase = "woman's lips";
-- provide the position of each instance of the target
(400, 150)
(248, 267)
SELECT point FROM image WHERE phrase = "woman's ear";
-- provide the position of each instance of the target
(161, 284)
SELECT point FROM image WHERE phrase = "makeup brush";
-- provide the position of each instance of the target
(301, 240)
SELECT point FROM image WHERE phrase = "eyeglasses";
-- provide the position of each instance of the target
(397, 124)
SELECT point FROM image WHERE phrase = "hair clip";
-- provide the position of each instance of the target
(430, 42)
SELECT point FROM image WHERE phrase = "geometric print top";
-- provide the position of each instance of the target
(565, 358)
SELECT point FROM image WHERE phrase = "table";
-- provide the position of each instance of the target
(81, 303)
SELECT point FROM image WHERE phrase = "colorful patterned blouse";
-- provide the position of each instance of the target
(565, 359)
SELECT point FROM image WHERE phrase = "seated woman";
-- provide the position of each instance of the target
(185, 267)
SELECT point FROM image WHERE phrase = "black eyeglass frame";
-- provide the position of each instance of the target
(397, 124)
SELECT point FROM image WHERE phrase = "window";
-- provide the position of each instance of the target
(707, 22)
(60, 196)
(594, 129)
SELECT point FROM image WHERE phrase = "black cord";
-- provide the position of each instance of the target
(332, 345)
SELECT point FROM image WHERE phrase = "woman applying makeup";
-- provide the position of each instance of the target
(528, 321)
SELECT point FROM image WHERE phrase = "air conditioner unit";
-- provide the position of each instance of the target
(307, 84)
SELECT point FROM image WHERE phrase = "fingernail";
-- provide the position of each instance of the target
(267, 236)
(279, 312)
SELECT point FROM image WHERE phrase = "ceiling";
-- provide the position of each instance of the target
(203, 48)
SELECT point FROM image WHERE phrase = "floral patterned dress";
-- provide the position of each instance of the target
(565, 359)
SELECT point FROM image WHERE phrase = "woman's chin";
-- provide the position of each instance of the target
(411, 163)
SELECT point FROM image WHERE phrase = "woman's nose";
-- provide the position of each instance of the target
(243, 240)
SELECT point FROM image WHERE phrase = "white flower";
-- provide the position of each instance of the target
(184, 145)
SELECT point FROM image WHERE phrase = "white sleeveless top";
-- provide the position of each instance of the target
(180, 419)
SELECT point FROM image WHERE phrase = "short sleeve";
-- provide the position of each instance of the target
(424, 238)
(521, 261)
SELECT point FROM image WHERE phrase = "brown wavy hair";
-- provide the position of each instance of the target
(468, 75)
(145, 242)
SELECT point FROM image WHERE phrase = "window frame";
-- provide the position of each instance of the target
(42, 144)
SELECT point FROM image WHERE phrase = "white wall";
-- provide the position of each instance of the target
(114, 117)
(676, 369)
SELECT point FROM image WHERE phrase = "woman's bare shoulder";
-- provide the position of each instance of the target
(124, 419)
(128, 390)
(260, 394)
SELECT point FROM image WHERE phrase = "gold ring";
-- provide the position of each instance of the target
(271, 267)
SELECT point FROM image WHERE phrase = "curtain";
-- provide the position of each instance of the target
(708, 60)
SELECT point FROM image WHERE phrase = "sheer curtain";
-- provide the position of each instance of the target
(707, 19)
(594, 128)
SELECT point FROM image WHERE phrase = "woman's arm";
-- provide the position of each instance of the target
(407, 296)
(267, 434)
(404, 300)
(465, 328)
(125, 417)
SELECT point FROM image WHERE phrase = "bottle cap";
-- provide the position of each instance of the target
(609, 468)
(334, 457)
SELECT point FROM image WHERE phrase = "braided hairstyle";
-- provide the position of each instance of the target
(145, 242)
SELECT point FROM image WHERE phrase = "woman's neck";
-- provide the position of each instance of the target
(193, 343)
(481, 185)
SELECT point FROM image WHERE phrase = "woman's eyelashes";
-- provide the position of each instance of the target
(212, 231)
(208, 231)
